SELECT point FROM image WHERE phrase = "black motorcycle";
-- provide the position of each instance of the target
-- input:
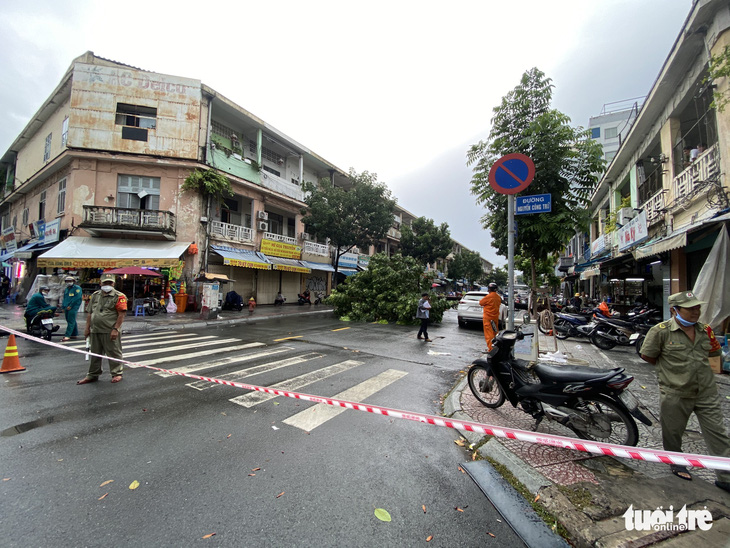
(304, 298)
(611, 332)
(41, 325)
(592, 403)
(233, 301)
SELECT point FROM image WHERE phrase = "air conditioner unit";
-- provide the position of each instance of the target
(625, 215)
(263, 226)
(263, 216)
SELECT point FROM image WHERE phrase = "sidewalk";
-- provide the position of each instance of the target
(11, 315)
(589, 494)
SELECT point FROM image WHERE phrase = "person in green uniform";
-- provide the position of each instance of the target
(70, 305)
(107, 308)
(680, 348)
(36, 304)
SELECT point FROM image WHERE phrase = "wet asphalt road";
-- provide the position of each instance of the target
(207, 465)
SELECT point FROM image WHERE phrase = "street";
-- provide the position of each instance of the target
(255, 470)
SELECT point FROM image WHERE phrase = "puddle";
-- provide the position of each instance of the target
(24, 427)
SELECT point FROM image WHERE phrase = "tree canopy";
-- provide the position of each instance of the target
(424, 241)
(567, 164)
(467, 265)
(358, 216)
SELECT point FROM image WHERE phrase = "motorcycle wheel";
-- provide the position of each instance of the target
(607, 422)
(639, 342)
(481, 377)
(46, 335)
(562, 335)
(151, 311)
(601, 342)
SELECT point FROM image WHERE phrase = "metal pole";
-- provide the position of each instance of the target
(511, 259)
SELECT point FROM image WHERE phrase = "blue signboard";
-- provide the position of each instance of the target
(539, 203)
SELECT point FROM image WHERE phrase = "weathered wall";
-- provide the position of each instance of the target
(30, 157)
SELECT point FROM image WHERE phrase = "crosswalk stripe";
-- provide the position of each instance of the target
(158, 342)
(208, 365)
(127, 339)
(266, 367)
(295, 383)
(311, 418)
(179, 347)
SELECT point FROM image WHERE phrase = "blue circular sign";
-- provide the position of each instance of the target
(512, 173)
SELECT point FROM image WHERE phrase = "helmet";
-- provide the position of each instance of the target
(44, 288)
(577, 294)
(69, 279)
(492, 286)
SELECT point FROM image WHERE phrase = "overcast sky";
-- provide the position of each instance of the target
(398, 88)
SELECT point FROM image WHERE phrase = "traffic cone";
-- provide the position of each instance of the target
(11, 362)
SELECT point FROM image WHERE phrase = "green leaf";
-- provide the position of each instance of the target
(382, 514)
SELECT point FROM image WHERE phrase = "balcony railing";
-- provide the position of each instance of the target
(317, 249)
(704, 168)
(277, 184)
(98, 217)
(231, 232)
(280, 238)
(653, 207)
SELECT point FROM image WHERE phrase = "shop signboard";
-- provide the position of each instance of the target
(8, 237)
(598, 245)
(68, 264)
(633, 233)
(363, 261)
(348, 260)
(246, 264)
(51, 232)
(280, 249)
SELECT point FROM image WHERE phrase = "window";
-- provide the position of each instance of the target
(64, 132)
(135, 192)
(15, 222)
(137, 120)
(61, 197)
(24, 222)
(610, 155)
(42, 206)
(595, 133)
(273, 171)
(611, 132)
(47, 149)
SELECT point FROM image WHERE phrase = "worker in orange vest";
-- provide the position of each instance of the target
(490, 304)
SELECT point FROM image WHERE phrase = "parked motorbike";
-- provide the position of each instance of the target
(41, 325)
(572, 325)
(611, 332)
(304, 298)
(593, 403)
(318, 297)
(152, 306)
(233, 301)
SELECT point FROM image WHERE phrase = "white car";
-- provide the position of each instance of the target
(468, 309)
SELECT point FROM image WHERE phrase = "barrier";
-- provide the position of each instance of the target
(597, 448)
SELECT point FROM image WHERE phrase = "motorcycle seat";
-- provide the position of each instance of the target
(567, 373)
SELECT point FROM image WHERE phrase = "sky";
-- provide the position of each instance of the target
(399, 88)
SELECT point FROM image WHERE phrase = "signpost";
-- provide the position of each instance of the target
(509, 175)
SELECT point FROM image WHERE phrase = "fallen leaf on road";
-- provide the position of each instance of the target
(424, 508)
(460, 442)
(274, 427)
(458, 509)
(256, 469)
(644, 387)
(428, 538)
(536, 498)
(461, 470)
(277, 496)
(209, 535)
(59, 460)
(276, 403)
(228, 436)
(499, 520)
(474, 455)
(252, 474)
(491, 535)
(6, 479)
(103, 496)
(107, 482)
(134, 484)
(382, 514)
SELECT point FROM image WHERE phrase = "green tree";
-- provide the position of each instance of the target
(358, 216)
(425, 241)
(467, 265)
(388, 290)
(500, 276)
(567, 164)
(719, 68)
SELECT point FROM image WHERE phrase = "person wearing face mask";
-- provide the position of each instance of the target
(107, 308)
(680, 348)
(37, 303)
(70, 305)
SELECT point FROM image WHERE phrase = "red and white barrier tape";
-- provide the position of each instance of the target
(598, 448)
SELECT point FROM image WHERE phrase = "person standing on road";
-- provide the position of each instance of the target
(423, 313)
(680, 348)
(70, 304)
(490, 304)
(251, 305)
(107, 308)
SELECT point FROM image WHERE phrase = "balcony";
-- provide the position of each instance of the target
(117, 221)
(394, 233)
(282, 186)
(316, 249)
(231, 233)
(696, 180)
(280, 238)
(564, 263)
(653, 207)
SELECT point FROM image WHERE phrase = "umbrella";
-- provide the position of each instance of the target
(134, 271)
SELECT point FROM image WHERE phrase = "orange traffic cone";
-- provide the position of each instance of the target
(10, 361)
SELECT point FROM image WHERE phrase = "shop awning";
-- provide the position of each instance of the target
(288, 265)
(242, 257)
(590, 272)
(7, 256)
(83, 252)
(324, 267)
(659, 246)
(347, 271)
(210, 277)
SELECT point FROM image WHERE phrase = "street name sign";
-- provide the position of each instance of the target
(538, 203)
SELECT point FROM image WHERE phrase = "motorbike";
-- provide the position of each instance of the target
(304, 298)
(610, 332)
(593, 403)
(233, 301)
(572, 325)
(41, 325)
(152, 306)
(318, 297)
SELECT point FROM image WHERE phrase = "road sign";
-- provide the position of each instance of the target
(512, 173)
(538, 203)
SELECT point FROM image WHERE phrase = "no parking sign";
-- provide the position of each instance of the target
(512, 173)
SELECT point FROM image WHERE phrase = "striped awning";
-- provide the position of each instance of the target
(243, 258)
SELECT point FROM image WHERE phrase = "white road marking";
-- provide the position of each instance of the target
(126, 339)
(243, 373)
(293, 384)
(208, 365)
(315, 416)
(196, 344)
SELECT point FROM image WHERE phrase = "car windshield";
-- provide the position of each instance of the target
(473, 297)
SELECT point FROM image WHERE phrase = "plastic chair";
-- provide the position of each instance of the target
(139, 310)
